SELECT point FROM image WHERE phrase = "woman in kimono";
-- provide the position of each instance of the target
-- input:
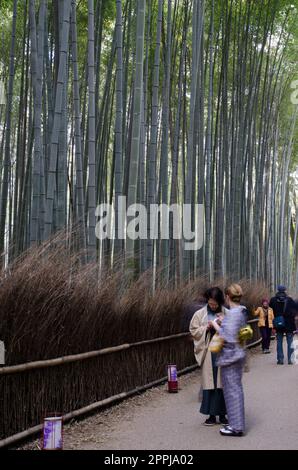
(231, 360)
(201, 329)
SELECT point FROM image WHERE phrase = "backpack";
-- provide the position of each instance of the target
(279, 322)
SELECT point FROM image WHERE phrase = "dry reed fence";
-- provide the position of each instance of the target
(51, 306)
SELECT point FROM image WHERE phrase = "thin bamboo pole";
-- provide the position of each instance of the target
(80, 357)
(88, 355)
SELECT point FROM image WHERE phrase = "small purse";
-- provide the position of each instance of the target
(216, 344)
(245, 333)
(279, 322)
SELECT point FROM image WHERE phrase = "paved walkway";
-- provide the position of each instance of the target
(162, 421)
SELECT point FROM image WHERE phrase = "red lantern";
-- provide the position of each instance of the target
(172, 378)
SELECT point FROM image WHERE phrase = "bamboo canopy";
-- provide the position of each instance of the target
(169, 103)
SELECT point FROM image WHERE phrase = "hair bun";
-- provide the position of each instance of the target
(235, 292)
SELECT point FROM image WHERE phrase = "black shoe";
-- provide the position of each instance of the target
(223, 420)
(211, 421)
(290, 363)
(279, 362)
(227, 431)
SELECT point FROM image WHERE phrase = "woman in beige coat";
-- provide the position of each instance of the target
(202, 330)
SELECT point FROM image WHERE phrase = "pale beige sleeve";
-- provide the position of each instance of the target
(196, 328)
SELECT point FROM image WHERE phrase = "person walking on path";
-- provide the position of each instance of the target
(266, 316)
(201, 329)
(231, 360)
(284, 321)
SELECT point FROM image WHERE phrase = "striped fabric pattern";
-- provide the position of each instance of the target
(233, 394)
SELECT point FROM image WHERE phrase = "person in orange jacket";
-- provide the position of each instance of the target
(266, 315)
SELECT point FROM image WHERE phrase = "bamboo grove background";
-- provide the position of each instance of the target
(163, 101)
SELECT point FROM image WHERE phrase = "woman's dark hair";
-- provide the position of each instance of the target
(216, 294)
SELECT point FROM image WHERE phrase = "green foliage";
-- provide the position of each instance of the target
(246, 33)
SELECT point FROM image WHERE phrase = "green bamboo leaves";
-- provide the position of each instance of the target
(163, 102)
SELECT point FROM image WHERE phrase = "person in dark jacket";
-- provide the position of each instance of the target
(284, 306)
(296, 317)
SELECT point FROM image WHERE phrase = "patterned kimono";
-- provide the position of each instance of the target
(231, 360)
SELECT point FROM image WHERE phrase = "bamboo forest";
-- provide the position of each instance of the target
(148, 153)
(164, 102)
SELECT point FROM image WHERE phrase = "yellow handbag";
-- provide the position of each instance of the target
(216, 344)
(245, 334)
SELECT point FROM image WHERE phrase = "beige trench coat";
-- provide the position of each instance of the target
(197, 328)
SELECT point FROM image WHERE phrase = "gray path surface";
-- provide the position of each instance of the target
(162, 421)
